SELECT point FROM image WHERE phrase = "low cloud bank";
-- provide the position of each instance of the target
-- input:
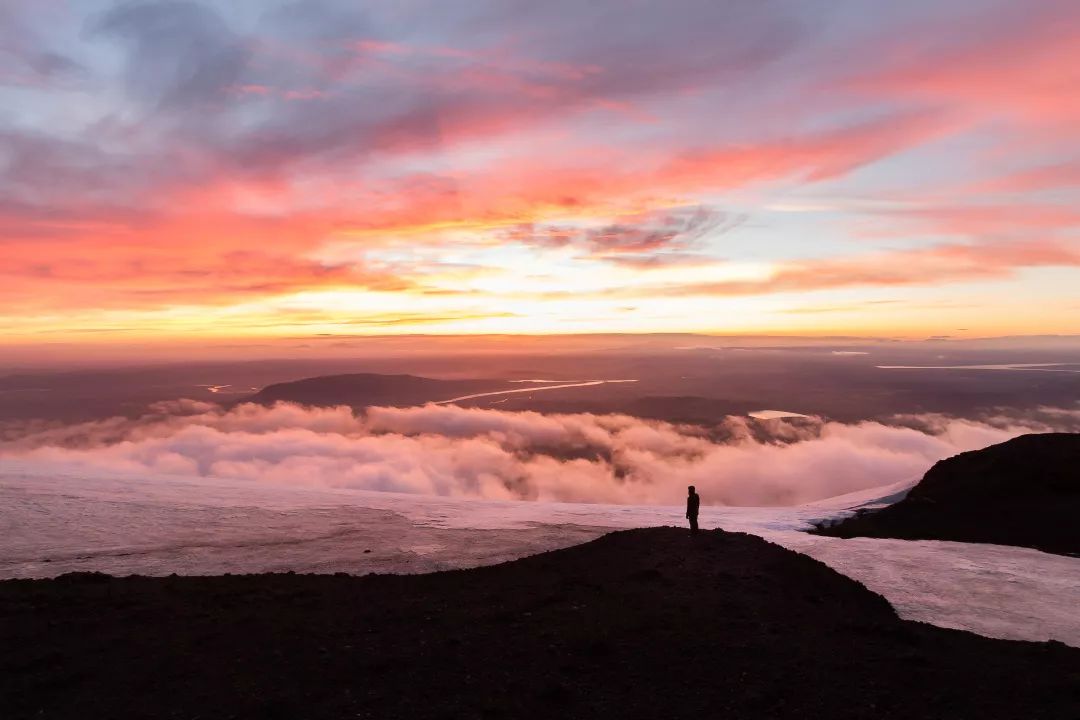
(454, 451)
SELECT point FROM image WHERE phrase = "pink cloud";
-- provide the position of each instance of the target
(1020, 64)
(452, 451)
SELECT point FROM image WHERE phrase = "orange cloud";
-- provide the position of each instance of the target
(172, 260)
(945, 263)
(615, 182)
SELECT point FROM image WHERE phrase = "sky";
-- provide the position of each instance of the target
(259, 172)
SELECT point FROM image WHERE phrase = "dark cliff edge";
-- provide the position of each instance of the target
(650, 623)
(1023, 492)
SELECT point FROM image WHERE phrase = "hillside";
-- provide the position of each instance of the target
(366, 389)
(639, 624)
(1023, 492)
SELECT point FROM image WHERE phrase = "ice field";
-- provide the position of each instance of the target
(56, 521)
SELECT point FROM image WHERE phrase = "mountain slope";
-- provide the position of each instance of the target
(638, 624)
(1023, 492)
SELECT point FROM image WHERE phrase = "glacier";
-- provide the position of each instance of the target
(57, 520)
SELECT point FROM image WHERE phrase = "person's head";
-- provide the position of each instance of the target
(690, 490)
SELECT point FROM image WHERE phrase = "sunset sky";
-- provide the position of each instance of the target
(267, 171)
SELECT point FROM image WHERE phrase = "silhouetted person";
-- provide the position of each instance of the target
(693, 502)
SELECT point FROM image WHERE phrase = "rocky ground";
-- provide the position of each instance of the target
(649, 623)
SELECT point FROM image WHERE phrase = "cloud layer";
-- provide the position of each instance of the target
(452, 451)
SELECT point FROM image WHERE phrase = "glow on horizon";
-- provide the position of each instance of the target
(185, 172)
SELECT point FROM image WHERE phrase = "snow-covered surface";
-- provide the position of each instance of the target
(60, 522)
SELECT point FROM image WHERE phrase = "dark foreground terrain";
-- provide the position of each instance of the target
(1023, 492)
(639, 624)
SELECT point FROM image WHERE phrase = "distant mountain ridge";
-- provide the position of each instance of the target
(1023, 492)
(361, 390)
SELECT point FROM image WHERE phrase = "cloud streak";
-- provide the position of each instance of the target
(953, 262)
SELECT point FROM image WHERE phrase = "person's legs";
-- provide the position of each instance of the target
(693, 524)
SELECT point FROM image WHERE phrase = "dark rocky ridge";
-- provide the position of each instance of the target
(1023, 492)
(648, 623)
